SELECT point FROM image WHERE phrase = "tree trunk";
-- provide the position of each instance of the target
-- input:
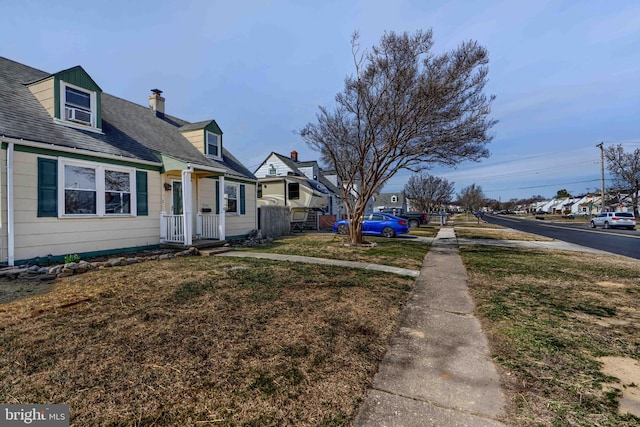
(355, 225)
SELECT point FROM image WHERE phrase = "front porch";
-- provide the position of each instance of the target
(176, 232)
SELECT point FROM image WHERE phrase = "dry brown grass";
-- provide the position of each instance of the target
(401, 251)
(498, 234)
(550, 316)
(202, 341)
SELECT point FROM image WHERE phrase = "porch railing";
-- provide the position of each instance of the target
(172, 227)
(207, 226)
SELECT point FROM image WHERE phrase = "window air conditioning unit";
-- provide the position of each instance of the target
(77, 115)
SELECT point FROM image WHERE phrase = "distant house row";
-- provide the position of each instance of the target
(584, 205)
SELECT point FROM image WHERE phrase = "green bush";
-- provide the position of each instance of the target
(71, 258)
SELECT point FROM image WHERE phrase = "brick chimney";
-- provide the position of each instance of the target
(294, 155)
(156, 102)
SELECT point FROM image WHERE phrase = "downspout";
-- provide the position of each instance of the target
(222, 226)
(10, 213)
(255, 192)
(187, 205)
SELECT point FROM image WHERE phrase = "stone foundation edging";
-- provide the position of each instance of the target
(39, 273)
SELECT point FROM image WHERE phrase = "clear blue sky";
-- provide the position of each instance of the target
(566, 74)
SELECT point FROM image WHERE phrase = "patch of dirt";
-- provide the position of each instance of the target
(627, 370)
(611, 285)
(11, 290)
(602, 321)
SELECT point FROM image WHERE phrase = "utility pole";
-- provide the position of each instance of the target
(601, 146)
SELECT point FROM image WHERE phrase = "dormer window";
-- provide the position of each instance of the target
(79, 105)
(214, 146)
(394, 199)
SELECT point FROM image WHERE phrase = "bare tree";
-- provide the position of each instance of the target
(471, 198)
(426, 192)
(405, 108)
(625, 168)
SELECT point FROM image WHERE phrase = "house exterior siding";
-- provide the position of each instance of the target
(43, 91)
(128, 166)
(196, 138)
(239, 225)
(280, 166)
(38, 237)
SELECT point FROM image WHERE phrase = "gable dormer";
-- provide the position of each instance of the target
(71, 97)
(206, 137)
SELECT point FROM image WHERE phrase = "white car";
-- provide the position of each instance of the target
(614, 220)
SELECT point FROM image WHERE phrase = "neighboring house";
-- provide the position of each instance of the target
(89, 173)
(390, 202)
(277, 165)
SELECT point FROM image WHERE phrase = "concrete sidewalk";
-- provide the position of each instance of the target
(437, 370)
(322, 261)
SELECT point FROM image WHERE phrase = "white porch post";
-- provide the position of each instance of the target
(163, 227)
(221, 215)
(187, 205)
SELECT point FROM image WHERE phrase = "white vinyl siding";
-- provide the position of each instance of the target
(241, 225)
(37, 236)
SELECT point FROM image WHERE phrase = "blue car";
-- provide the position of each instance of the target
(377, 224)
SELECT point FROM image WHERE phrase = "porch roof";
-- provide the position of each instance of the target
(172, 164)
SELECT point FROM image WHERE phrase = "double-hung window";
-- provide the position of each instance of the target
(214, 148)
(231, 198)
(80, 192)
(235, 199)
(117, 196)
(79, 105)
(95, 189)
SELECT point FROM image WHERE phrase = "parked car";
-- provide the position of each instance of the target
(614, 220)
(415, 219)
(378, 224)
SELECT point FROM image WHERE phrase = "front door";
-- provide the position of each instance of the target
(176, 199)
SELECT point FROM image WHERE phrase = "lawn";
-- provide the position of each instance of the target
(497, 234)
(203, 341)
(241, 342)
(560, 325)
(401, 251)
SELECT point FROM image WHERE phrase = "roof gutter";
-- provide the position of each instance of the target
(206, 168)
(60, 148)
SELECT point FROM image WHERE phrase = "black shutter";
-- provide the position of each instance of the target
(47, 187)
(142, 193)
(243, 208)
(217, 197)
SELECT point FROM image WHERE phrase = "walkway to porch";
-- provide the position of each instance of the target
(196, 243)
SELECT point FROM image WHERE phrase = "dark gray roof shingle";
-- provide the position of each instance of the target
(129, 130)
